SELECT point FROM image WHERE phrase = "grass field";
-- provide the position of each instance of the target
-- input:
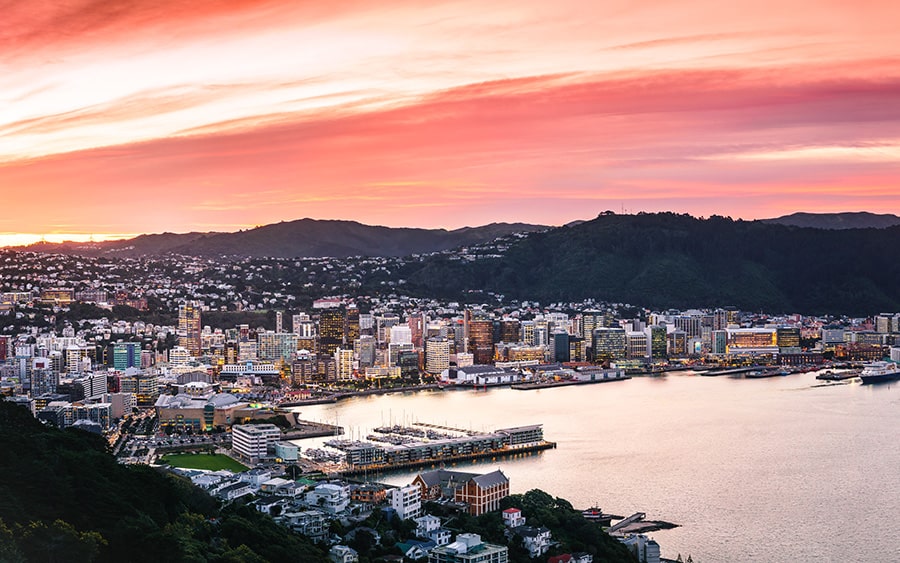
(213, 462)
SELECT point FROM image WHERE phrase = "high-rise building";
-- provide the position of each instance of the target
(351, 325)
(126, 355)
(437, 355)
(787, 337)
(561, 347)
(608, 344)
(636, 345)
(276, 346)
(657, 341)
(364, 347)
(481, 341)
(343, 360)
(189, 327)
(331, 331)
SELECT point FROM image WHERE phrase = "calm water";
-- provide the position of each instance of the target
(776, 469)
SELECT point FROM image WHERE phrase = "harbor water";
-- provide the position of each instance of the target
(776, 469)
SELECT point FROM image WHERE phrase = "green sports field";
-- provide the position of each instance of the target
(212, 462)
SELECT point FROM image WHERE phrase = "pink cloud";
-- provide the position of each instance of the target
(544, 149)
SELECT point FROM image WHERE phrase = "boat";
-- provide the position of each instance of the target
(877, 372)
(774, 372)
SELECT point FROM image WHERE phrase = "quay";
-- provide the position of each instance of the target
(363, 457)
(337, 396)
(563, 383)
(733, 371)
(418, 464)
(835, 376)
(306, 429)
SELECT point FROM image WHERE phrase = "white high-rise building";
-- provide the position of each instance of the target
(253, 441)
(407, 501)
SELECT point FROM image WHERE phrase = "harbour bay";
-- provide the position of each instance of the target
(777, 469)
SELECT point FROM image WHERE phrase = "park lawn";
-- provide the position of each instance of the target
(212, 462)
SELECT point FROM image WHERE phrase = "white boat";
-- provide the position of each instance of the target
(880, 371)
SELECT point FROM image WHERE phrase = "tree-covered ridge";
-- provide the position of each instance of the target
(64, 498)
(667, 260)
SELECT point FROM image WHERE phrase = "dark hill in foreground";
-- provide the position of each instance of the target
(309, 238)
(64, 498)
(668, 260)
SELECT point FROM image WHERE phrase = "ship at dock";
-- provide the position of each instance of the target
(876, 372)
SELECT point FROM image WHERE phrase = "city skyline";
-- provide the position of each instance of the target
(160, 117)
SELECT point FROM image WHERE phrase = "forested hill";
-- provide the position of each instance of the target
(667, 260)
(64, 498)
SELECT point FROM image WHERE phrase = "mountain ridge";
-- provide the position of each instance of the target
(307, 238)
(837, 221)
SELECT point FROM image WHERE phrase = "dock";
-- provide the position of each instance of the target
(563, 383)
(431, 462)
(733, 371)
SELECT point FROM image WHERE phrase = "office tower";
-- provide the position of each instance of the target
(279, 321)
(657, 342)
(364, 347)
(126, 355)
(189, 327)
(481, 341)
(561, 347)
(608, 344)
(351, 325)
(331, 331)
(437, 355)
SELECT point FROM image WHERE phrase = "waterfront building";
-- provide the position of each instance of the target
(468, 548)
(437, 355)
(646, 550)
(752, 341)
(480, 340)
(636, 345)
(787, 337)
(657, 342)
(608, 344)
(252, 442)
(561, 347)
(577, 352)
(204, 411)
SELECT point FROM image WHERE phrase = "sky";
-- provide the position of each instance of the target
(142, 116)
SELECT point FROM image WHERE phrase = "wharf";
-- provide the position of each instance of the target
(550, 384)
(337, 396)
(733, 371)
(306, 429)
(834, 376)
(417, 464)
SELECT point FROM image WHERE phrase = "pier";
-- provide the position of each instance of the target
(418, 464)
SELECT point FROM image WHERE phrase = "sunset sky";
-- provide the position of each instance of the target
(157, 115)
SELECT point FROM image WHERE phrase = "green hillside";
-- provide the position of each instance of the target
(64, 498)
(668, 260)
